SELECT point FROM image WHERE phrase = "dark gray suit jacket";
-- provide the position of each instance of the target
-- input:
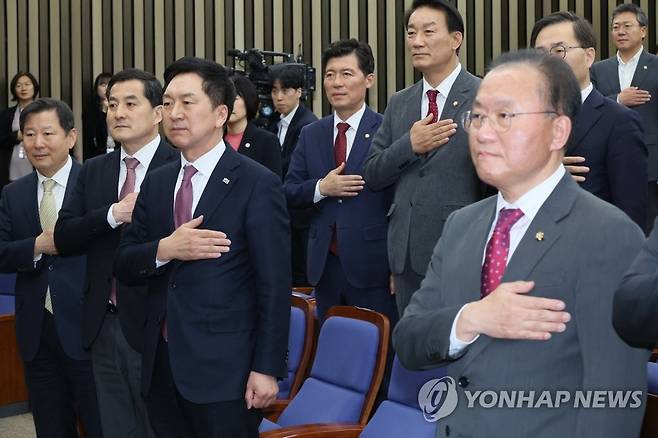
(588, 244)
(427, 188)
(605, 77)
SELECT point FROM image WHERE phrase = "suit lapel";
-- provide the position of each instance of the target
(365, 132)
(611, 75)
(165, 197)
(222, 180)
(292, 129)
(32, 205)
(163, 154)
(247, 137)
(73, 178)
(411, 109)
(587, 118)
(110, 180)
(326, 140)
(641, 71)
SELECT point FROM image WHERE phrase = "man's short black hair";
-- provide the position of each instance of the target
(247, 91)
(64, 113)
(341, 48)
(289, 75)
(634, 9)
(14, 81)
(216, 83)
(454, 19)
(561, 87)
(582, 29)
(152, 86)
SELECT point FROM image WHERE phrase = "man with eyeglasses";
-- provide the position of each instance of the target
(518, 293)
(631, 79)
(606, 154)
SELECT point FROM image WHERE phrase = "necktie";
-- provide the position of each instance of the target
(495, 259)
(433, 107)
(282, 125)
(184, 197)
(127, 187)
(48, 217)
(340, 156)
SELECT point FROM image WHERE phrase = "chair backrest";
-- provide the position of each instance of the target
(650, 424)
(300, 346)
(347, 370)
(400, 415)
(7, 284)
(7, 306)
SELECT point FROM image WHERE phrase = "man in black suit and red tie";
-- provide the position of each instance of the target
(91, 223)
(210, 237)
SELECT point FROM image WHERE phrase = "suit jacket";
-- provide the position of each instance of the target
(361, 221)
(427, 188)
(611, 139)
(8, 140)
(227, 316)
(19, 227)
(303, 116)
(636, 300)
(574, 262)
(261, 146)
(605, 77)
(82, 228)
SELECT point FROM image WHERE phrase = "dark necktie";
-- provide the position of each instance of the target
(433, 107)
(340, 156)
(127, 187)
(495, 258)
(184, 197)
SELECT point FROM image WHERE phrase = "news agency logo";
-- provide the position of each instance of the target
(438, 398)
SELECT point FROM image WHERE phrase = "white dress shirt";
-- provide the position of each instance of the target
(585, 92)
(529, 203)
(284, 123)
(144, 156)
(443, 88)
(204, 165)
(354, 120)
(626, 70)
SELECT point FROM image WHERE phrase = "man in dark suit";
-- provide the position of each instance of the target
(287, 89)
(347, 259)
(419, 150)
(518, 294)
(91, 223)
(608, 141)
(630, 78)
(49, 287)
(217, 328)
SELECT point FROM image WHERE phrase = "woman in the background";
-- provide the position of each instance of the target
(243, 135)
(96, 139)
(13, 161)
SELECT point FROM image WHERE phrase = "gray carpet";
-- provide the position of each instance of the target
(18, 426)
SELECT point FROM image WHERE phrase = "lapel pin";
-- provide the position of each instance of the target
(367, 135)
(226, 180)
(247, 145)
(455, 103)
(539, 236)
(645, 67)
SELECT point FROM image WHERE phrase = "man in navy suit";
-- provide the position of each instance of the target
(217, 329)
(91, 223)
(607, 143)
(347, 256)
(49, 287)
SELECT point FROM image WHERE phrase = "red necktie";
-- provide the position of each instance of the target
(340, 156)
(433, 107)
(127, 187)
(495, 258)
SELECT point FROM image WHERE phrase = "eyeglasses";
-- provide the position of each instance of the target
(625, 27)
(560, 51)
(500, 121)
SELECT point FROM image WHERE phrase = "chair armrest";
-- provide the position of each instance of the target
(273, 411)
(330, 430)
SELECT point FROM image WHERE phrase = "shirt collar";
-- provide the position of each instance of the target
(446, 85)
(287, 119)
(206, 163)
(584, 93)
(145, 154)
(353, 120)
(633, 60)
(533, 199)
(61, 177)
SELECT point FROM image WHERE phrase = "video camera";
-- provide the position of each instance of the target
(258, 71)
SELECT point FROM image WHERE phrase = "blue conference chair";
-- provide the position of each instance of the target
(650, 425)
(300, 345)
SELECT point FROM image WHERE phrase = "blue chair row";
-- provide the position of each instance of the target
(650, 425)
(7, 284)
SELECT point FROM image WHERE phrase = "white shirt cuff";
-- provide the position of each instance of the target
(110, 218)
(457, 346)
(158, 263)
(317, 197)
(37, 258)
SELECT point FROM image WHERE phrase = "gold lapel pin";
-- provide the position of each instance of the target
(367, 135)
(455, 103)
(539, 236)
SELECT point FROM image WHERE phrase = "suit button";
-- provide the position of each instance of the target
(447, 430)
(340, 201)
(50, 268)
(463, 382)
